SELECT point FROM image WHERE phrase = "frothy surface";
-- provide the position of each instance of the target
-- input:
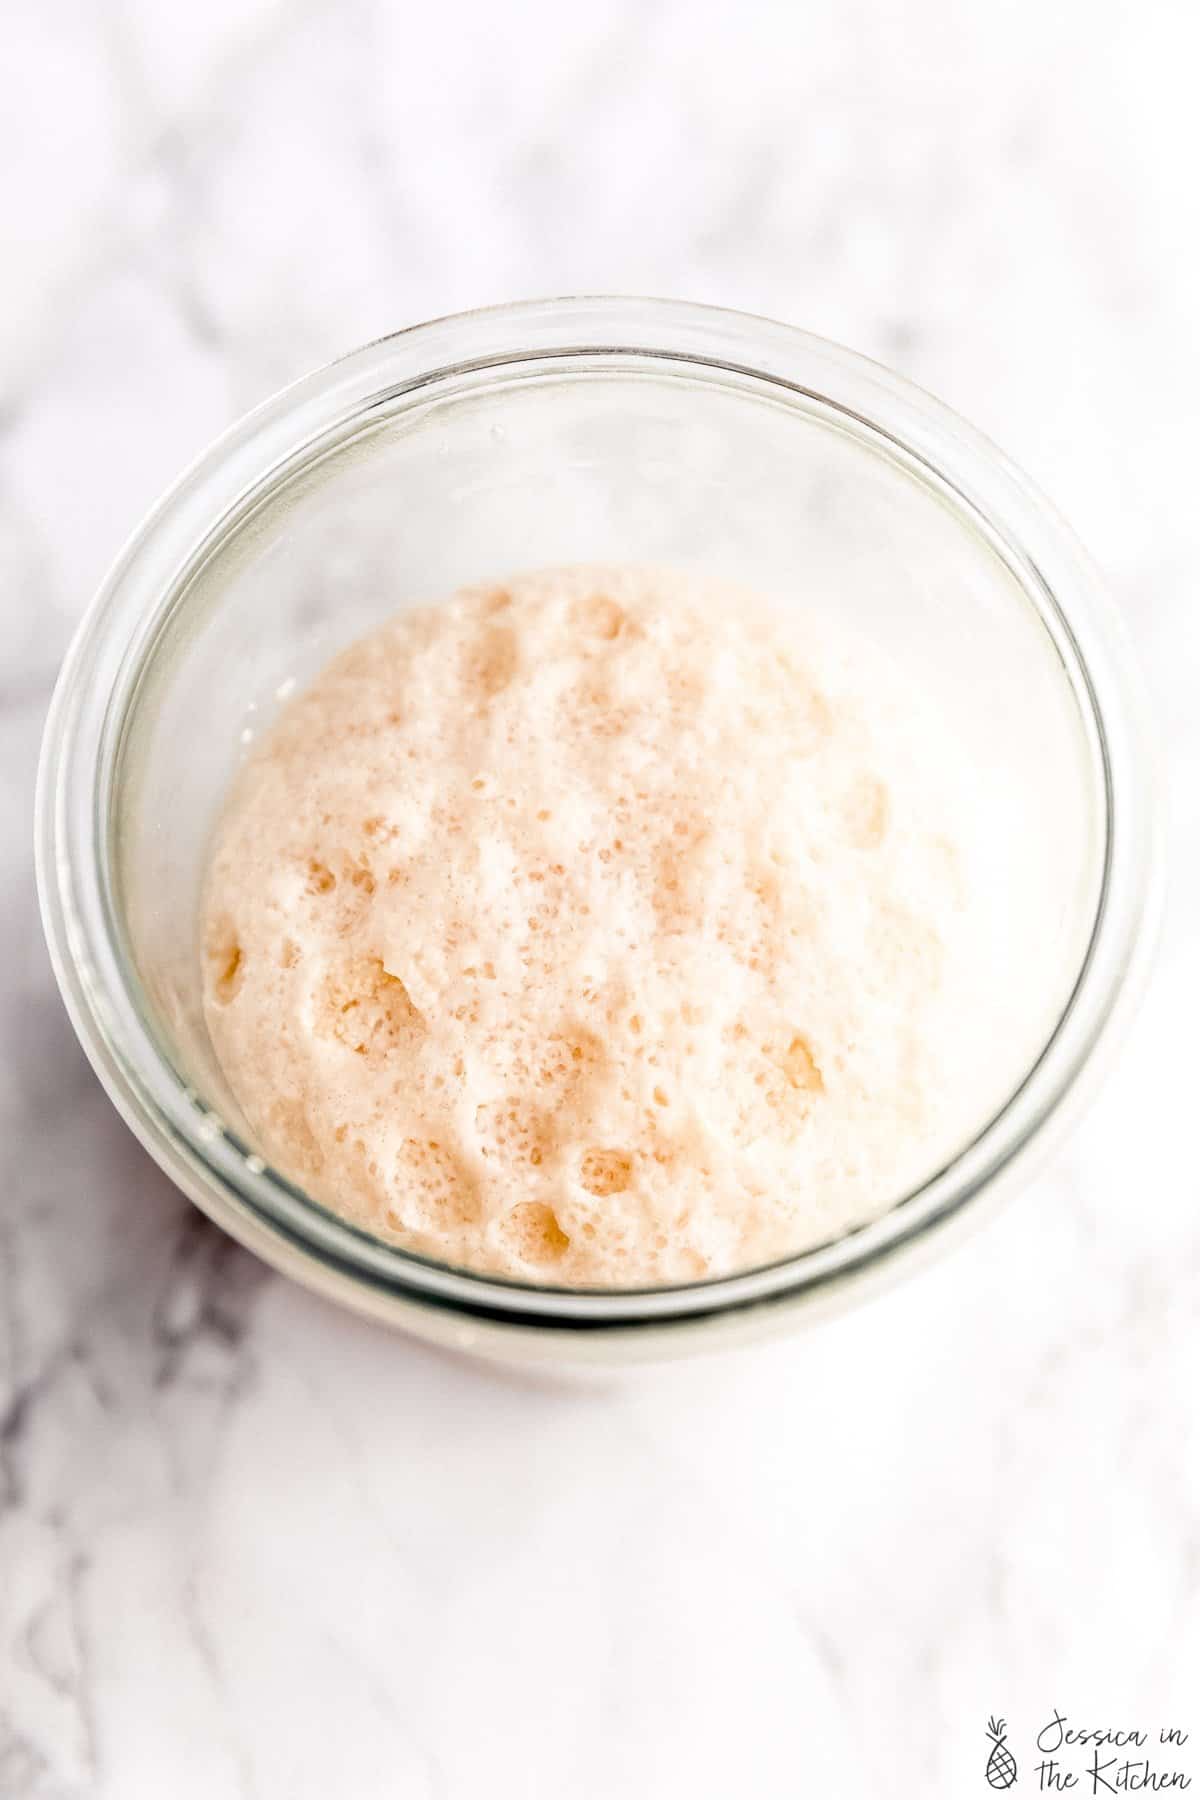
(603, 928)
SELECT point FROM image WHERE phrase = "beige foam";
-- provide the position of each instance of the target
(600, 927)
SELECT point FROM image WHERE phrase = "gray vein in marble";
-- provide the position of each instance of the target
(208, 1294)
(208, 1649)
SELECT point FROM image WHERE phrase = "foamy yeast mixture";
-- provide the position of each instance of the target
(600, 927)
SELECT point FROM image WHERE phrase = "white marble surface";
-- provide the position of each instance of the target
(250, 1547)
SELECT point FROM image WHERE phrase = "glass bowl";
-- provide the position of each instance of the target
(584, 430)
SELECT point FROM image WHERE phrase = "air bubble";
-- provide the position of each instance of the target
(227, 964)
(800, 1067)
(492, 661)
(532, 1233)
(605, 1171)
(600, 617)
(368, 1011)
(432, 1190)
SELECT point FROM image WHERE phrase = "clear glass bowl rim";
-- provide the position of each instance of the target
(102, 992)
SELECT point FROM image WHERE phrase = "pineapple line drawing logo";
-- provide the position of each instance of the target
(1001, 1764)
